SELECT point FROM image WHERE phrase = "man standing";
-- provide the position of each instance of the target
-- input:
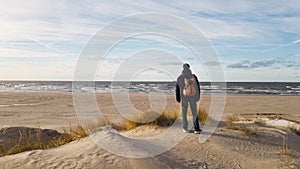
(188, 92)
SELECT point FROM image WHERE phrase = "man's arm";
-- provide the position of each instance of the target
(177, 93)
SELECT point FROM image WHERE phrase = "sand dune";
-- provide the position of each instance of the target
(224, 149)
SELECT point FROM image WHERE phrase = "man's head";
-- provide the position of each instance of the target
(186, 66)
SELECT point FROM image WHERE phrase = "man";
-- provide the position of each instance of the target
(188, 92)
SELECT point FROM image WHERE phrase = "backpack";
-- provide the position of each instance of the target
(189, 87)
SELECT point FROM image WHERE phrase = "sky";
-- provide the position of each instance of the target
(254, 40)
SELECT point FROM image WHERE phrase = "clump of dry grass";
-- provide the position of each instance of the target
(94, 126)
(77, 132)
(232, 118)
(250, 132)
(164, 119)
(202, 115)
(34, 138)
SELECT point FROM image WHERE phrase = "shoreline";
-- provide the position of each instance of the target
(70, 92)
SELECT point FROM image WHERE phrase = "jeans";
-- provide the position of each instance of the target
(193, 106)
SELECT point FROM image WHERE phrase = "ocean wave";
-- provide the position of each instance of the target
(272, 88)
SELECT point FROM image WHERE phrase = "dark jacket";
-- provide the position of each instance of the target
(180, 86)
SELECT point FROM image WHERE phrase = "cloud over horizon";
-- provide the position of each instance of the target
(41, 40)
(277, 63)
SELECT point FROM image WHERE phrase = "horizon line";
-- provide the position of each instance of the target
(155, 81)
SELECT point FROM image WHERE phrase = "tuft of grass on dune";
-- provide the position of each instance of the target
(233, 118)
(33, 139)
(250, 132)
(164, 119)
(29, 140)
(203, 115)
(94, 126)
(77, 132)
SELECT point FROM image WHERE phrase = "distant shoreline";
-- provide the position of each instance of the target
(255, 88)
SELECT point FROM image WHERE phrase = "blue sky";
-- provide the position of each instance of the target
(255, 40)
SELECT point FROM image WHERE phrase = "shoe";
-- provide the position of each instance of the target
(185, 131)
(197, 131)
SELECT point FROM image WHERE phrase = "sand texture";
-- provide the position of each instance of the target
(226, 148)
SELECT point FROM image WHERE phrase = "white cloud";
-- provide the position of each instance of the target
(296, 41)
(43, 30)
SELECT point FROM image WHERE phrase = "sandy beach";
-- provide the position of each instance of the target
(56, 110)
(226, 148)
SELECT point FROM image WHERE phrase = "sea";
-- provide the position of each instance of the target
(254, 88)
